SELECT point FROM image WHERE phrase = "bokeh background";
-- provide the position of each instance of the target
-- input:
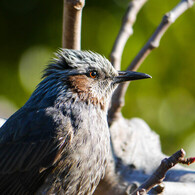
(31, 32)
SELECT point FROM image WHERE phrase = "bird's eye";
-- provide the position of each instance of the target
(93, 74)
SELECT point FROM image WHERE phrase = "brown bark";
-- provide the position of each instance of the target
(71, 35)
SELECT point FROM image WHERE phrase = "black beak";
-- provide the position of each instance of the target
(130, 76)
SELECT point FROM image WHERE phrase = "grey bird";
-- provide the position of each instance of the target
(57, 143)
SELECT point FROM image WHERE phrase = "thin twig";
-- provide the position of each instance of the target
(187, 161)
(158, 176)
(71, 35)
(153, 42)
(125, 32)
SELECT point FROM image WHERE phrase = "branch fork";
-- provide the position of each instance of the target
(158, 176)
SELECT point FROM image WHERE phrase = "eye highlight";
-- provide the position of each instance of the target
(93, 74)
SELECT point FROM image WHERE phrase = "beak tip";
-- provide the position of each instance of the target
(148, 76)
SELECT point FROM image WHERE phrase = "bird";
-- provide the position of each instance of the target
(57, 142)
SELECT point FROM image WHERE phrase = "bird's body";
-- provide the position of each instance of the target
(57, 143)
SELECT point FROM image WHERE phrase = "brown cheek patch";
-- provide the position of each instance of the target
(81, 85)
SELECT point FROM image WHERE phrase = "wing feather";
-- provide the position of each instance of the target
(29, 153)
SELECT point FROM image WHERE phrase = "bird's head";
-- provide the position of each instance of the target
(84, 75)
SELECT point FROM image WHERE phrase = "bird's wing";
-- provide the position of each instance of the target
(30, 144)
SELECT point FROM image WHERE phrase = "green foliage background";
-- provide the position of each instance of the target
(31, 32)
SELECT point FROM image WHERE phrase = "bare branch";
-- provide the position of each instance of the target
(158, 176)
(125, 32)
(71, 35)
(153, 42)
